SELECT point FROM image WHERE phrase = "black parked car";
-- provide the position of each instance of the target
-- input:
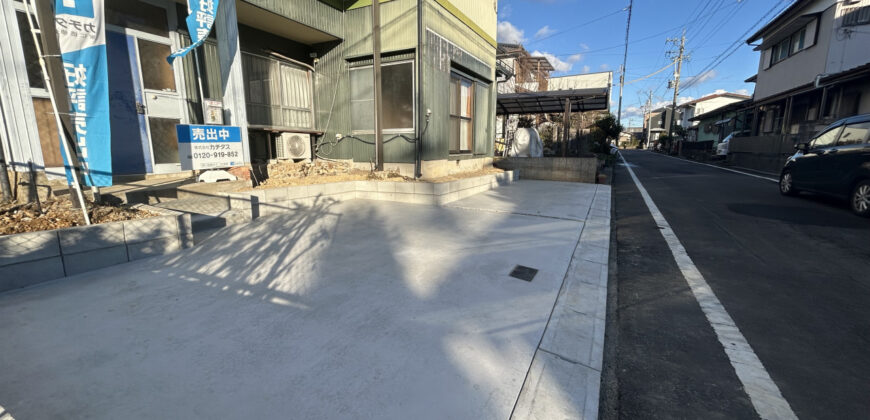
(835, 162)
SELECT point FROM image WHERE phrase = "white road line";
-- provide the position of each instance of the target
(724, 169)
(762, 391)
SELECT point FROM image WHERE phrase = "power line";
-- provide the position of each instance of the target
(730, 50)
(557, 33)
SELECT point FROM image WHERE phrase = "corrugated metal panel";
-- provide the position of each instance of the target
(398, 28)
(17, 104)
(441, 56)
(312, 13)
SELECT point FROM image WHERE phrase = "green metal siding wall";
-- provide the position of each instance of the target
(313, 13)
(443, 52)
(332, 83)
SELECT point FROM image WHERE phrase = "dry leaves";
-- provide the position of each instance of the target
(59, 213)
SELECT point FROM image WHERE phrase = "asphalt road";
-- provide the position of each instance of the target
(793, 273)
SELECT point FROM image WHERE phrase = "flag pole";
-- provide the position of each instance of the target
(65, 144)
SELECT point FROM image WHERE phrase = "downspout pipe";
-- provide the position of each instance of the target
(418, 159)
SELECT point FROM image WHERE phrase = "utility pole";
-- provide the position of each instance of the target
(624, 61)
(376, 71)
(648, 116)
(679, 62)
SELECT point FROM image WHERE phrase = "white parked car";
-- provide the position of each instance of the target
(722, 147)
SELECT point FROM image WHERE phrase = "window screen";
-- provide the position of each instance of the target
(461, 114)
(397, 92)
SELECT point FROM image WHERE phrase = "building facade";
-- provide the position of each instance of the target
(276, 67)
(813, 67)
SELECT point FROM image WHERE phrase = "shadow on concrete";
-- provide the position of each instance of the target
(374, 310)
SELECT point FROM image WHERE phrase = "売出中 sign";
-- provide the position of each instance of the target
(209, 146)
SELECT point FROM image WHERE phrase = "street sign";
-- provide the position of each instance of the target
(209, 146)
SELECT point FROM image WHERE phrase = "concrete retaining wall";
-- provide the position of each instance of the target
(278, 200)
(552, 168)
(30, 258)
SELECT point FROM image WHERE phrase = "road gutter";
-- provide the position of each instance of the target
(564, 379)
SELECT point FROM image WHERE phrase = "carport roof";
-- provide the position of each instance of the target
(551, 102)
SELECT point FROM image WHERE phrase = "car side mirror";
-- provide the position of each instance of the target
(802, 147)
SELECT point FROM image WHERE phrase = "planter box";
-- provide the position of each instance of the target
(284, 199)
(30, 258)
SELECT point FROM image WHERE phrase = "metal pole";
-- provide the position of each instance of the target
(566, 127)
(418, 171)
(376, 71)
(65, 143)
(677, 85)
(199, 83)
(5, 186)
(624, 61)
(649, 120)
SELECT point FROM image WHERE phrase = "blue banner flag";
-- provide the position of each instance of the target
(200, 19)
(81, 33)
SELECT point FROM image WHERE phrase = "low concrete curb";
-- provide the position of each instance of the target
(564, 380)
(283, 199)
(30, 258)
(573, 169)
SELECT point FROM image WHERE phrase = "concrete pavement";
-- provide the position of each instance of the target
(359, 309)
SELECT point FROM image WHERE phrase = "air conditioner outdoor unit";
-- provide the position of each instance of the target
(293, 146)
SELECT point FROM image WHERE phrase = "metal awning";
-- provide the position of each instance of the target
(725, 121)
(552, 102)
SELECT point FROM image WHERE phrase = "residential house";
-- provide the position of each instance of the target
(275, 67)
(814, 67)
(717, 124)
(656, 124)
(689, 110)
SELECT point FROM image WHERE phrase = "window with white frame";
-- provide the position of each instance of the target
(397, 93)
(789, 46)
(461, 114)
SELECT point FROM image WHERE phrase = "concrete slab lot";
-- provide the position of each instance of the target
(360, 309)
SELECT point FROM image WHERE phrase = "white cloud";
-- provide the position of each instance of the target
(558, 64)
(544, 32)
(743, 92)
(585, 47)
(632, 112)
(505, 11)
(701, 78)
(509, 33)
(604, 67)
(683, 99)
(586, 69)
(574, 58)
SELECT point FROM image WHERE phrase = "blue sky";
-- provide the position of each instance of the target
(581, 36)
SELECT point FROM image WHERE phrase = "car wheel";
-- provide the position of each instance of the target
(860, 199)
(786, 184)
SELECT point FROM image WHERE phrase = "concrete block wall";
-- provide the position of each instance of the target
(583, 169)
(278, 200)
(30, 258)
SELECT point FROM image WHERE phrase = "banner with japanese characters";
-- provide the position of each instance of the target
(81, 34)
(200, 19)
(209, 146)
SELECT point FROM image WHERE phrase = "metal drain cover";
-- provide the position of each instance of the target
(524, 273)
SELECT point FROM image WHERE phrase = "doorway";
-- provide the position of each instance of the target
(145, 91)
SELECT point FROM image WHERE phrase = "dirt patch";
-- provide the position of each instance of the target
(283, 174)
(464, 175)
(59, 213)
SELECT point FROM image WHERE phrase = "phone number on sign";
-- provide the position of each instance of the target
(215, 155)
